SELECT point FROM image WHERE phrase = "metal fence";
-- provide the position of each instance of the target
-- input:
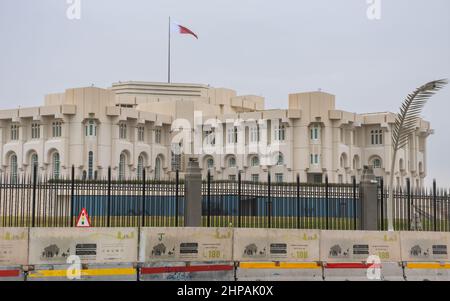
(281, 205)
(42, 202)
(415, 209)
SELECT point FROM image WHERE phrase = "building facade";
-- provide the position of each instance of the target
(136, 126)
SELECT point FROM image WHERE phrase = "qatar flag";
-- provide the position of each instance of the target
(176, 28)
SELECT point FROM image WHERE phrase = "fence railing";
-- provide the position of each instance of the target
(415, 209)
(41, 202)
(281, 205)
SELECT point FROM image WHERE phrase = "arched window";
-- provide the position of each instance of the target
(254, 161)
(158, 165)
(56, 165)
(210, 163)
(232, 162)
(122, 160)
(34, 164)
(376, 163)
(140, 167)
(280, 159)
(13, 166)
(91, 165)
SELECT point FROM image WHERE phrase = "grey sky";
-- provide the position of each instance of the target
(269, 48)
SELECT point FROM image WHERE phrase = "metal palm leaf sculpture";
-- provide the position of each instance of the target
(405, 125)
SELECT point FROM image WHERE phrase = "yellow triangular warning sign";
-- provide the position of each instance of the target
(83, 219)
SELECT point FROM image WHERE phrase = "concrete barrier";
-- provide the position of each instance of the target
(357, 246)
(53, 246)
(186, 245)
(427, 271)
(354, 271)
(94, 272)
(392, 271)
(225, 254)
(424, 246)
(360, 255)
(425, 255)
(283, 245)
(13, 246)
(182, 271)
(11, 274)
(279, 271)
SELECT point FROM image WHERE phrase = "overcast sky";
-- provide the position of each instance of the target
(263, 47)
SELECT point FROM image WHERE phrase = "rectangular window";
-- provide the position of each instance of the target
(14, 132)
(210, 137)
(56, 129)
(232, 135)
(35, 131)
(314, 159)
(254, 134)
(158, 135)
(255, 177)
(141, 133)
(232, 177)
(122, 131)
(315, 133)
(280, 132)
(279, 177)
(376, 137)
(91, 128)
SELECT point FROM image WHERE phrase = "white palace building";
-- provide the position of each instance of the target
(134, 126)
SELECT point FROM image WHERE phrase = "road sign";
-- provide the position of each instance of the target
(83, 219)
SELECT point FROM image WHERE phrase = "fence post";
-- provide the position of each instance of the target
(269, 201)
(34, 195)
(209, 199)
(143, 198)
(354, 204)
(177, 205)
(298, 201)
(369, 200)
(193, 195)
(72, 196)
(408, 195)
(382, 204)
(108, 205)
(327, 205)
(434, 206)
(239, 199)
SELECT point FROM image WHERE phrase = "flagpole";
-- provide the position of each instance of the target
(168, 67)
